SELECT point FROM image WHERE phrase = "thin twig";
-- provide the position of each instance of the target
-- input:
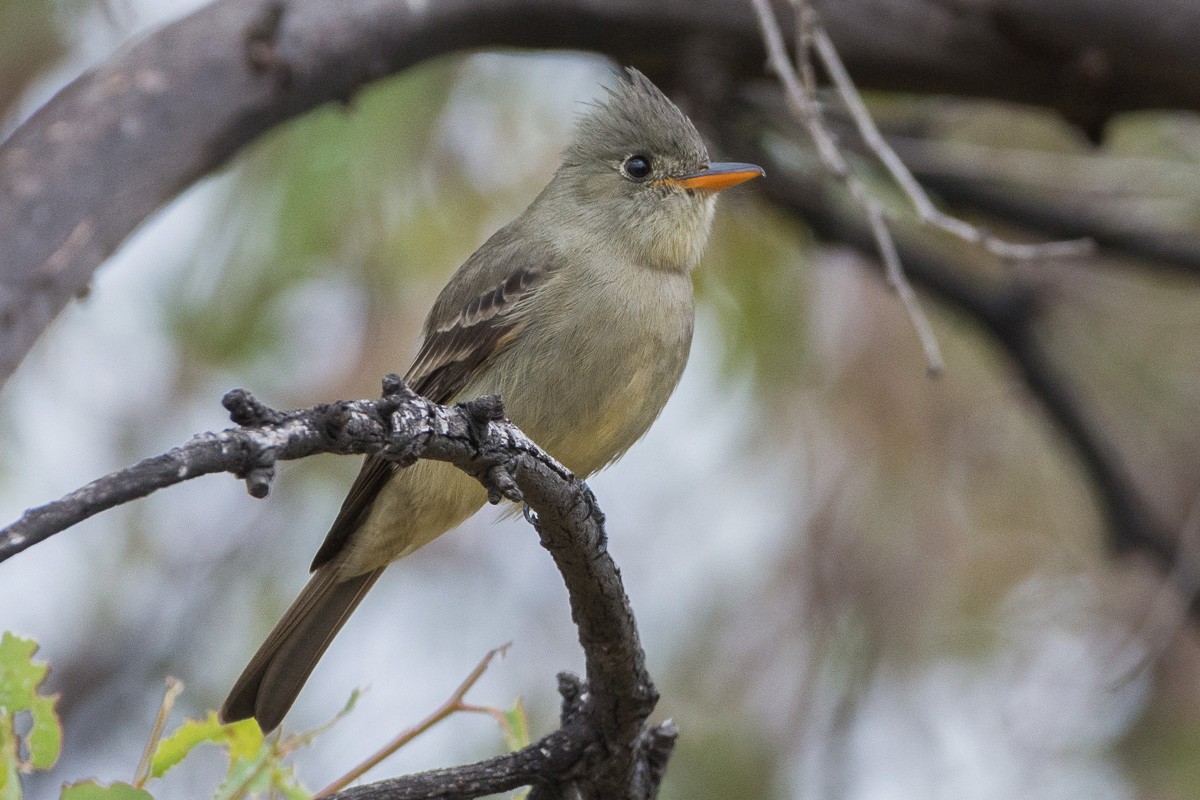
(802, 102)
(898, 281)
(929, 213)
(142, 774)
(453, 704)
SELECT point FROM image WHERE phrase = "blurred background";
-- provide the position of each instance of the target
(852, 581)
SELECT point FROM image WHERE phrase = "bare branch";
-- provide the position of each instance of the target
(928, 212)
(1064, 214)
(123, 139)
(1007, 312)
(894, 273)
(603, 748)
(142, 773)
(802, 102)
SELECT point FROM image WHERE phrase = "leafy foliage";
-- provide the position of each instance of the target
(90, 790)
(20, 679)
(257, 763)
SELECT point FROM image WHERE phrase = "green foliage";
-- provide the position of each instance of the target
(90, 790)
(243, 740)
(516, 726)
(257, 763)
(751, 278)
(20, 678)
(318, 197)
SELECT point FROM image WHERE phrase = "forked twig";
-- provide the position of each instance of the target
(453, 704)
(929, 213)
(799, 82)
(801, 100)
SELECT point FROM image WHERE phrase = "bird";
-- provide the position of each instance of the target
(579, 313)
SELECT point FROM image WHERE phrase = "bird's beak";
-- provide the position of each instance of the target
(716, 177)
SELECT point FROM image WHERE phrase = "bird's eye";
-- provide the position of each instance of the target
(636, 167)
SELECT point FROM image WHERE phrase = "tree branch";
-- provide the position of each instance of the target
(122, 140)
(603, 748)
(1008, 312)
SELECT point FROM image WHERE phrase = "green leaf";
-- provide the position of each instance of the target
(517, 729)
(248, 776)
(284, 779)
(90, 790)
(20, 675)
(10, 763)
(45, 737)
(243, 739)
(306, 738)
(20, 678)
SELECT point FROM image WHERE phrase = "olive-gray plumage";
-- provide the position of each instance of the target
(579, 312)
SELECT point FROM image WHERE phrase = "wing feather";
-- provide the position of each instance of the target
(452, 354)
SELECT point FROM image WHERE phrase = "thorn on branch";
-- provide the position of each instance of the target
(481, 411)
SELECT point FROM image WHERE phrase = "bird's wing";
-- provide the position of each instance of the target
(454, 351)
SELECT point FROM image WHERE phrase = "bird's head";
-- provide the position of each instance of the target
(637, 173)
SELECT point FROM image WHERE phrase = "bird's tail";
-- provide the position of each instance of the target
(270, 682)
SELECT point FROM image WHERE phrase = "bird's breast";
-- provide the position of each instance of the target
(607, 357)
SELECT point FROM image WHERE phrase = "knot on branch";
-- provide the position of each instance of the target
(259, 458)
(654, 748)
(481, 411)
(607, 767)
(258, 479)
(574, 695)
(395, 410)
(261, 37)
(500, 485)
(497, 463)
(246, 410)
(395, 393)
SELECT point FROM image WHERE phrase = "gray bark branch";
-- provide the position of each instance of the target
(603, 749)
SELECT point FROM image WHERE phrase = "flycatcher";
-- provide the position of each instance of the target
(578, 312)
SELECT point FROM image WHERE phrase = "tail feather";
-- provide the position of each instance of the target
(271, 681)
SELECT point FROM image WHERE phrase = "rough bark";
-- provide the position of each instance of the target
(603, 749)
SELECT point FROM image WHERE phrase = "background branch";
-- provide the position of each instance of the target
(1007, 311)
(122, 140)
